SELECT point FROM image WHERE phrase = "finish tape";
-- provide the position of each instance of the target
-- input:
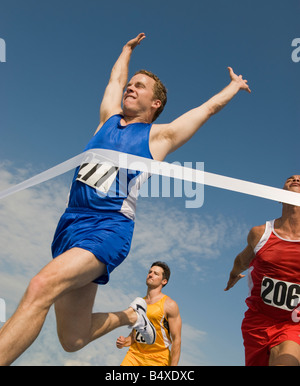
(128, 161)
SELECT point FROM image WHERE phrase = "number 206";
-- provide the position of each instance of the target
(281, 293)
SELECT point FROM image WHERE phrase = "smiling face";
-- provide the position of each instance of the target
(138, 99)
(293, 183)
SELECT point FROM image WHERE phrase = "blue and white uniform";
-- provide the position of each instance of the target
(102, 200)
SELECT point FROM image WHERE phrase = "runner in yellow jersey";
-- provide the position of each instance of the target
(163, 312)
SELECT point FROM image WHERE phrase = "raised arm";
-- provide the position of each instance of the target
(112, 99)
(175, 324)
(166, 138)
(243, 259)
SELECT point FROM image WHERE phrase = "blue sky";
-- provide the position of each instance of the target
(58, 59)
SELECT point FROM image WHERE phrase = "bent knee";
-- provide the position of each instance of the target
(70, 344)
(39, 291)
(285, 354)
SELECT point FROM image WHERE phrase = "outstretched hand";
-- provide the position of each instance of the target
(239, 80)
(233, 279)
(136, 41)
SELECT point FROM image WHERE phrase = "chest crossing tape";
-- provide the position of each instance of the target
(131, 162)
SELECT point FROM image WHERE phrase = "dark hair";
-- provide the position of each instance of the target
(165, 268)
(159, 91)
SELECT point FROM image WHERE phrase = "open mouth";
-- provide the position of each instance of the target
(129, 96)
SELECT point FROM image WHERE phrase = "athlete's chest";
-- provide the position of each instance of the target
(280, 257)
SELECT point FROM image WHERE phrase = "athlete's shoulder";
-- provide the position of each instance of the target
(171, 306)
(256, 234)
(258, 230)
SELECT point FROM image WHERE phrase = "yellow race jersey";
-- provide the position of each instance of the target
(157, 354)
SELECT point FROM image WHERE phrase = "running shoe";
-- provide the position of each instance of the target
(143, 324)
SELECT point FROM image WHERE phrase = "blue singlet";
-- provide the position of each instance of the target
(103, 223)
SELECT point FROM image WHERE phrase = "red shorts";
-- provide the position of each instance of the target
(261, 333)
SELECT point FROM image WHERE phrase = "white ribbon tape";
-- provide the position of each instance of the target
(128, 161)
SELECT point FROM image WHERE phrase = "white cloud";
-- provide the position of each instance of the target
(192, 341)
(162, 231)
(185, 237)
(28, 221)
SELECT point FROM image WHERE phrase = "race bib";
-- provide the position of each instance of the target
(98, 176)
(139, 338)
(280, 294)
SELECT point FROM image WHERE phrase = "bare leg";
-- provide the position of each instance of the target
(69, 271)
(77, 325)
(285, 354)
(21, 329)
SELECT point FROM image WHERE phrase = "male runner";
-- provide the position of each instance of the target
(94, 234)
(271, 327)
(164, 314)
